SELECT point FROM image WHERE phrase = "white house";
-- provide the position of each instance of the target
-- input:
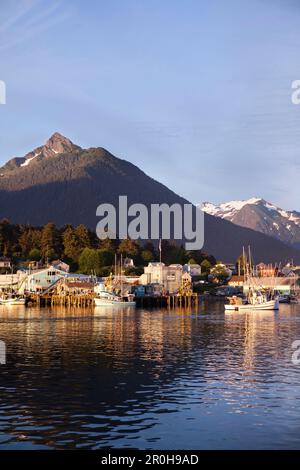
(168, 276)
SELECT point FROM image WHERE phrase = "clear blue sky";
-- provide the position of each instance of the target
(196, 93)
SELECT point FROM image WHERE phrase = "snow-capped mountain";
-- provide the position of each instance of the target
(259, 215)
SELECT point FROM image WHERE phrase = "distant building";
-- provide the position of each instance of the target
(169, 277)
(128, 263)
(153, 290)
(192, 269)
(5, 263)
(58, 264)
(236, 281)
(288, 271)
(65, 286)
(32, 265)
(283, 285)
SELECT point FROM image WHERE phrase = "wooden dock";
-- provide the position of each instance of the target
(170, 301)
(87, 300)
(79, 300)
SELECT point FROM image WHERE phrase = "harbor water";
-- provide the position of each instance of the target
(149, 379)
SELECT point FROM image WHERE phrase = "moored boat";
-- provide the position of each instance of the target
(272, 304)
(106, 298)
(284, 298)
(257, 298)
(115, 296)
(12, 300)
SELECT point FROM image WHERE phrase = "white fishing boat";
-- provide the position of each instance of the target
(106, 298)
(115, 295)
(12, 300)
(257, 298)
(272, 304)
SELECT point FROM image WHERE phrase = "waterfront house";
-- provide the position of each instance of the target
(41, 279)
(169, 277)
(72, 286)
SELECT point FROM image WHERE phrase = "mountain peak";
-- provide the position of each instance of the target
(58, 143)
(59, 136)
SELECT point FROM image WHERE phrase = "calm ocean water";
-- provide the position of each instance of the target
(149, 379)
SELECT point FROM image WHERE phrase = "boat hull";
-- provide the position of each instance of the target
(270, 305)
(12, 301)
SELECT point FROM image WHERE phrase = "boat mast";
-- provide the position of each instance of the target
(250, 261)
(244, 264)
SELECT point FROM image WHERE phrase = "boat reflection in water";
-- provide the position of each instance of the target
(155, 379)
